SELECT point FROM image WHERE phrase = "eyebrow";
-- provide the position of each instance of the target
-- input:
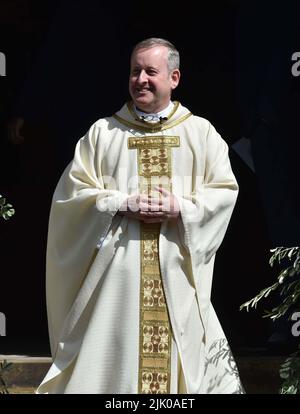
(147, 67)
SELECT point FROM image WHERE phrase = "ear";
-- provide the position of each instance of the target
(175, 77)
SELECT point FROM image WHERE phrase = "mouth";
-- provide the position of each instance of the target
(142, 90)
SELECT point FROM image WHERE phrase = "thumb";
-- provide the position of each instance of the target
(162, 190)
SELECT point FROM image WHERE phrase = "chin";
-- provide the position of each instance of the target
(142, 104)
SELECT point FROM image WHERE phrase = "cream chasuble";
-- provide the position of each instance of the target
(127, 300)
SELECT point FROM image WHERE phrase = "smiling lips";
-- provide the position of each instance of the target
(142, 90)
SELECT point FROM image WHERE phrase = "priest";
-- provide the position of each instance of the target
(135, 223)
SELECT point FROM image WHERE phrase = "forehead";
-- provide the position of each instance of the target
(153, 56)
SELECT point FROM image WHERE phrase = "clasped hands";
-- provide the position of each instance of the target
(149, 209)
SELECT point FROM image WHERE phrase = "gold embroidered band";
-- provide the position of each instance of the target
(154, 160)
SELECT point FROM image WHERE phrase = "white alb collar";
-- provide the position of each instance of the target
(155, 117)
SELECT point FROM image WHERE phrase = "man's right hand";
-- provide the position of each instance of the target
(141, 207)
(163, 206)
(14, 130)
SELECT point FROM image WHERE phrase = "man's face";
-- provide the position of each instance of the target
(150, 82)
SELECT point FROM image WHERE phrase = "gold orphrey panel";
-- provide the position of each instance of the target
(154, 167)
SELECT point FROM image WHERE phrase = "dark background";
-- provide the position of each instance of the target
(67, 65)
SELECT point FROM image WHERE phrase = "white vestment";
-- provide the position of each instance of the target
(93, 258)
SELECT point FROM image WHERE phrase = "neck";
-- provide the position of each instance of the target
(157, 111)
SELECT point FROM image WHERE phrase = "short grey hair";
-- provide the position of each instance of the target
(173, 54)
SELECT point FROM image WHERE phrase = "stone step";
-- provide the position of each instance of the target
(259, 374)
(25, 373)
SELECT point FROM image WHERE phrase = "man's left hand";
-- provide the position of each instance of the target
(163, 208)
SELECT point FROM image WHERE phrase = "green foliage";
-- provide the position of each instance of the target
(290, 373)
(288, 285)
(6, 210)
(4, 366)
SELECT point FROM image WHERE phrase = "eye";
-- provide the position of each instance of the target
(151, 72)
(135, 72)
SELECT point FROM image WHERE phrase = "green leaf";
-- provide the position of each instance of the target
(289, 287)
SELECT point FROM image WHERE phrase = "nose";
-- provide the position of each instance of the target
(142, 78)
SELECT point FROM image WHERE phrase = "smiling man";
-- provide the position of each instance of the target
(135, 224)
(154, 74)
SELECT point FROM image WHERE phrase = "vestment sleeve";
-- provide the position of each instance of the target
(205, 214)
(82, 212)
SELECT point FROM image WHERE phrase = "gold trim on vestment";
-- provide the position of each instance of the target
(157, 141)
(154, 160)
(155, 330)
(154, 155)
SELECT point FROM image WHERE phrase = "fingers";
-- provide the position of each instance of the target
(146, 218)
(163, 191)
(153, 200)
(144, 207)
(143, 203)
(157, 220)
(152, 214)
